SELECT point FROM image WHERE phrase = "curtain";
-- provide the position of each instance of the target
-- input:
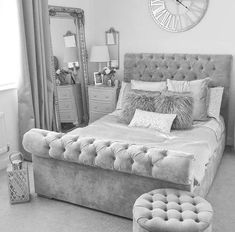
(35, 91)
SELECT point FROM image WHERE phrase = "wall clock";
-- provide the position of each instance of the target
(178, 15)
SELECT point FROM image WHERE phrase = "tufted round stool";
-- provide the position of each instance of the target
(170, 210)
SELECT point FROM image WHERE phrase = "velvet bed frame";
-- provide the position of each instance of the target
(93, 187)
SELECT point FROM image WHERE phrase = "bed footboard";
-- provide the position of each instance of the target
(105, 190)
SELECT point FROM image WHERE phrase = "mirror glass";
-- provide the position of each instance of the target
(112, 41)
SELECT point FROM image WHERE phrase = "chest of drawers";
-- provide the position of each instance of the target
(70, 103)
(102, 100)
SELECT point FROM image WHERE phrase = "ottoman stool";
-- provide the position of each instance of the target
(170, 210)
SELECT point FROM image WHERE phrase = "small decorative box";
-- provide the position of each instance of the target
(18, 183)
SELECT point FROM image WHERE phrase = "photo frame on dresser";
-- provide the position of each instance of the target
(98, 78)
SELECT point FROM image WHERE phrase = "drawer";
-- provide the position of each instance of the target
(95, 116)
(64, 92)
(66, 105)
(106, 95)
(67, 116)
(101, 106)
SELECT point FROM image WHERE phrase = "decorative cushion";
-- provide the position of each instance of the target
(199, 90)
(125, 88)
(180, 104)
(148, 86)
(137, 100)
(172, 210)
(215, 100)
(161, 122)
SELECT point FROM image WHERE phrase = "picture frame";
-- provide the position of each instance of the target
(98, 79)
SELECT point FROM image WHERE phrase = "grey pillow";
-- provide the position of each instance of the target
(180, 104)
(136, 99)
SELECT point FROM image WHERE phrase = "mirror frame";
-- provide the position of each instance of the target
(77, 15)
(116, 37)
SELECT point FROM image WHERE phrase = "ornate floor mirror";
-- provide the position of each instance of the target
(70, 66)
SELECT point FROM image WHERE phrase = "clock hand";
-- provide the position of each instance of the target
(182, 4)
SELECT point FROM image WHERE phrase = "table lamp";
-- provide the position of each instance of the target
(71, 56)
(99, 54)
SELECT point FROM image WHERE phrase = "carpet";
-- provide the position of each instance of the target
(45, 215)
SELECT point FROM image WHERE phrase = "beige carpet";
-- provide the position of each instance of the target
(44, 215)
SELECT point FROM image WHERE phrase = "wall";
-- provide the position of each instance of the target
(139, 33)
(8, 105)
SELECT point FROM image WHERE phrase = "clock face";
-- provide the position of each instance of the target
(178, 15)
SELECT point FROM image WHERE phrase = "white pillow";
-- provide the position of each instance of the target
(215, 100)
(146, 119)
(125, 88)
(148, 86)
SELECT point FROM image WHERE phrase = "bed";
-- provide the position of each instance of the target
(107, 165)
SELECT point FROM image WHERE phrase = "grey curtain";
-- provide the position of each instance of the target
(35, 92)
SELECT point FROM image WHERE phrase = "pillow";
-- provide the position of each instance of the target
(125, 88)
(137, 100)
(161, 122)
(180, 104)
(215, 100)
(199, 90)
(148, 86)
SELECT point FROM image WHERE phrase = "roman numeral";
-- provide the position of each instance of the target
(196, 9)
(157, 3)
(176, 23)
(187, 20)
(158, 6)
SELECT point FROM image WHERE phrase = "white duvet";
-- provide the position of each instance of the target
(201, 140)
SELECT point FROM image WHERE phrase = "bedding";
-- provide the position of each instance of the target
(148, 85)
(152, 120)
(199, 90)
(201, 140)
(180, 104)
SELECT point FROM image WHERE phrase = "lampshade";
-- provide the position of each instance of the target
(99, 54)
(70, 54)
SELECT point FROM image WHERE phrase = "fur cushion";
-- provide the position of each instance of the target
(137, 100)
(180, 104)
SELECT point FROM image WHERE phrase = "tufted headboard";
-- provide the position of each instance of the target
(159, 67)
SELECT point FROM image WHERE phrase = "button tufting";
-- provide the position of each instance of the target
(173, 213)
